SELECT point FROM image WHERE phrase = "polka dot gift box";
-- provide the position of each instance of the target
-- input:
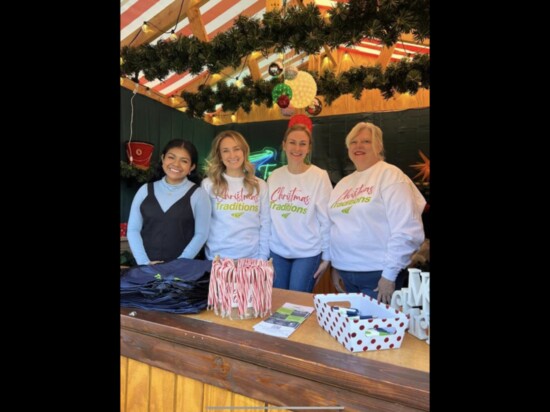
(359, 322)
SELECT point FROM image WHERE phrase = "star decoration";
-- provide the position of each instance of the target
(423, 167)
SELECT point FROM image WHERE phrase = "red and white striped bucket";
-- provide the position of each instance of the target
(240, 288)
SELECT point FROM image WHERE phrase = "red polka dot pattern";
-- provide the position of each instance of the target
(352, 334)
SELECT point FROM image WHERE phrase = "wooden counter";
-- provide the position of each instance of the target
(194, 356)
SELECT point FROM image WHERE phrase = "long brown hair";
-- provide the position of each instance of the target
(215, 168)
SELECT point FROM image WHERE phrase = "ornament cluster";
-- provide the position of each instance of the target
(297, 91)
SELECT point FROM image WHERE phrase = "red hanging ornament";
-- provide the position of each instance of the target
(315, 107)
(283, 101)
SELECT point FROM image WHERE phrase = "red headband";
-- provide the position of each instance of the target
(301, 119)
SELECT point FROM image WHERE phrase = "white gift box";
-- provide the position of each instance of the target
(357, 334)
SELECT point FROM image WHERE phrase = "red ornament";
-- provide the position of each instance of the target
(283, 101)
(315, 107)
(301, 119)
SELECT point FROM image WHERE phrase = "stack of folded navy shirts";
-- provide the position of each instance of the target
(178, 286)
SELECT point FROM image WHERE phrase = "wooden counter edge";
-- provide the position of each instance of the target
(347, 372)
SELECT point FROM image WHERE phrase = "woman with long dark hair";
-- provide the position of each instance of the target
(170, 217)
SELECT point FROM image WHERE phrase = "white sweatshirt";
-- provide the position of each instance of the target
(300, 226)
(239, 227)
(376, 220)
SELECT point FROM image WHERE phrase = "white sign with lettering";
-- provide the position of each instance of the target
(415, 302)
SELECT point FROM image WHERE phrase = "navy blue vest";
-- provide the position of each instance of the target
(166, 234)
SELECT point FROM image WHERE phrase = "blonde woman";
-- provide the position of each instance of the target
(240, 222)
(376, 219)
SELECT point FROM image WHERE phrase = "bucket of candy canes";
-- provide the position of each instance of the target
(240, 288)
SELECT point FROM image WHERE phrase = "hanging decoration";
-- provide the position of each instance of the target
(394, 79)
(303, 88)
(315, 107)
(283, 101)
(288, 111)
(280, 90)
(275, 69)
(291, 73)
(139, 154)
(349, 23)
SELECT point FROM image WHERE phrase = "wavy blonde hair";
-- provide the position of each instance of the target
(215, 168)
(377, 142)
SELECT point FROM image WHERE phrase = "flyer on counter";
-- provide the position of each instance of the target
(285, 320)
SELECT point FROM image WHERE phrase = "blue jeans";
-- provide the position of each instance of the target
(366, 282)
(295, 274)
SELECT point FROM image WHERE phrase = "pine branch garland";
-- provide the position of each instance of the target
(128, 171)
(304, 30)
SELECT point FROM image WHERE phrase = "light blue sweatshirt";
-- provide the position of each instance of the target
(240, 223)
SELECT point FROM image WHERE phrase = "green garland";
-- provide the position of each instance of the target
(302, 29)
(127, 171)
(407, 75)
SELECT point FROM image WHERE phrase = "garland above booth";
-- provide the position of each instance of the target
(304, 30)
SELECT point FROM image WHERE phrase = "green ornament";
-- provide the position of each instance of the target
(279, 90)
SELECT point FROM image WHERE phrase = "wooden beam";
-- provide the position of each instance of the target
(329, 54)
(145, 91)
(187, 4)
(409, 38)
(385, 56)
(162, 22)
(302, 4)
(254, 68)
(197, 25)
(271, 5)
(313, 63)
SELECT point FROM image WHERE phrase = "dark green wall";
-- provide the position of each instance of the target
(405, 132)
(157, 124)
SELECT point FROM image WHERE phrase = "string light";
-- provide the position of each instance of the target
(145, 28)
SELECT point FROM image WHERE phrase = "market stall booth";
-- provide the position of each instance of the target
(193, 362)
